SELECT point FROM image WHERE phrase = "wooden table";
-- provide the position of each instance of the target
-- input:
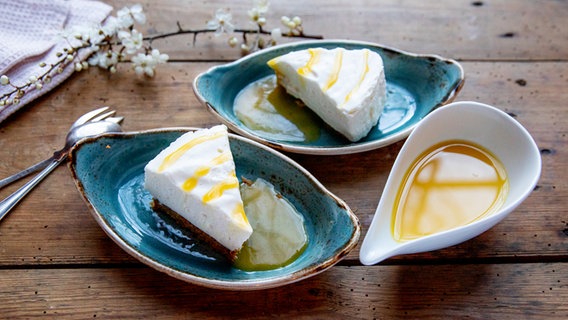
(55, 261)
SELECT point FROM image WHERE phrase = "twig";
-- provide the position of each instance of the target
(196, 32)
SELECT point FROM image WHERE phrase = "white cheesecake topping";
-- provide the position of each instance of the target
(195, 177)
(346, 88)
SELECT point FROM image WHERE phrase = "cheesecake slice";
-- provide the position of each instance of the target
(346, 88)
(194, 181)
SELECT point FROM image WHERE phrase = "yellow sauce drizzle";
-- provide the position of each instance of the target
(335, 72)
(363, 75)
(272, 62)
(191, 182)
(239, 211)
(218, 189)
(174, 156)
(314, 58)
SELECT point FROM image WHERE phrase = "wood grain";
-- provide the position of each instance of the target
(464, 29)
(535, 229)
(521, 291)
(56, 262)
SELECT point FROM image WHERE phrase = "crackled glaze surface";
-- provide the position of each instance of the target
(416, 85)
(109, 173)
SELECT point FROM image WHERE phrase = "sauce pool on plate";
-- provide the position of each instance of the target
(451, 184)
(265, 108)
(279, 236)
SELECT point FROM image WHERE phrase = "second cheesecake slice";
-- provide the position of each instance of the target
(346, 88)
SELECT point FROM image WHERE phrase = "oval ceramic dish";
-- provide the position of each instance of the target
(109, 173)
(416, 85)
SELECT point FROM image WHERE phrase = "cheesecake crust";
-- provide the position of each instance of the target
(195, 231)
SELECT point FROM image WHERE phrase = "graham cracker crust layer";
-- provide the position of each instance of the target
(195, 231)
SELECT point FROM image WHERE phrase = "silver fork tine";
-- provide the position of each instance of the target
(88, 116)
(95, 115)
(102, 116)
(116, 120)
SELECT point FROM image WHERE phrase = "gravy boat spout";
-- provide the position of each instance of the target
(477, 123)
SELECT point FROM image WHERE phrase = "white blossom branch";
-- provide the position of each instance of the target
(119, 41)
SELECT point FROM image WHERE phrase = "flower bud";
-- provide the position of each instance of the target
(4, 80)
(233, 42)
(245, 48)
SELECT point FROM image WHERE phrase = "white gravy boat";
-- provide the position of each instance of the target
(480, 124)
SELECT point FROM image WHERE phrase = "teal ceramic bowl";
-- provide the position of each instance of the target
(109, 173)
(416, 85)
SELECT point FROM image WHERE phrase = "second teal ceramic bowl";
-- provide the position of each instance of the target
(416, 85)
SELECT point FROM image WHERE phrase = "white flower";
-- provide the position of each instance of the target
(91, 36)
(98, 59)
(260, 7)
(127, 16)
(112, 58)
(158, 57)
(144, 64)
(137, 13)
(104, 59)
(123, 34)
(132, 41)
(97, 36)
(111, 26)
(221, 23)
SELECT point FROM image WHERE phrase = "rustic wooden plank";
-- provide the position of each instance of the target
(53, 226)
(465, 29)
(55, 261)
(504, 291)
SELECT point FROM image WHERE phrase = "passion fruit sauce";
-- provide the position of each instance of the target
(265, 108)
(451, 184)
(279, 236)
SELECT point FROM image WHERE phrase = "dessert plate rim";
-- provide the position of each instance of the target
(252, 280)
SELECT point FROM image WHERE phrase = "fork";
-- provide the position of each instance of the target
(92, 116)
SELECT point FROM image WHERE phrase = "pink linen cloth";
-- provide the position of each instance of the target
(31, 33)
